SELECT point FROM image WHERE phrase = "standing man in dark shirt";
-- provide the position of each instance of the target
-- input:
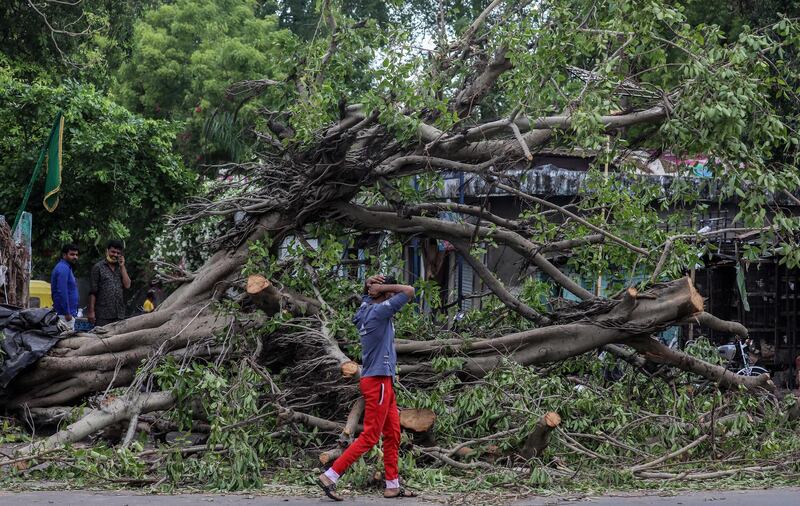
(374, 321)
(64, 288)
(109, 277)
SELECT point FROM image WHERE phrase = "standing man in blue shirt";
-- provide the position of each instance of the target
(63, 286)
(374, 321)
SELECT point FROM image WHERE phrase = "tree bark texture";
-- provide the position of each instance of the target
(536, 442)
(634, 315)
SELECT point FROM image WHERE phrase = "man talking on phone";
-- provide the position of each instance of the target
(109, 277)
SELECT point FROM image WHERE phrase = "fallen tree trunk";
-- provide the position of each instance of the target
(94, 362)
(82, 365)
(325, 176)
(655, 351)
(634, 315)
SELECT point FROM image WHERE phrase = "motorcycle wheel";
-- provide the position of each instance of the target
(752, 371)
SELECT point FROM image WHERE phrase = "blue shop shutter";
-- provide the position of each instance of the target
(467, 285)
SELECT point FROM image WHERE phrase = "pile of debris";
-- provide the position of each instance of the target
(14, 271)
(26, 335)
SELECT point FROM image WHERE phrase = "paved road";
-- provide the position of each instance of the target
(774, 497)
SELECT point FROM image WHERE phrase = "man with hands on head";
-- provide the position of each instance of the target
(379, 361)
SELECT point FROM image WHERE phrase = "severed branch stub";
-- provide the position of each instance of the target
(350, 369)
(328, 457)
(351, 426)
(263, 294)
(537, 440)
(267, 297)
(417, 420)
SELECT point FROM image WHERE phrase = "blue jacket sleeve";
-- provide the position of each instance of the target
(388, 308)
(72, 288)
(58, 289)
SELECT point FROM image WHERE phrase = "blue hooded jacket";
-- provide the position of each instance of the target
(375, 325)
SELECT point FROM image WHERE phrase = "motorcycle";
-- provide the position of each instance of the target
(738, 359)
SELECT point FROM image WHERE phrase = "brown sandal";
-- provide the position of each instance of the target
(402, 494)
(330, 490)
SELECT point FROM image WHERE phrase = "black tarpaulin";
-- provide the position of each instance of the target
(26, 335)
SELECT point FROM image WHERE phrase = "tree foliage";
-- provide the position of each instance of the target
(302, 16)
(735, 17)
(585, 64)
(185, 54)
(85, 40)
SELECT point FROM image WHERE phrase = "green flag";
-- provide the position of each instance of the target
(51, 151)
(52, 184)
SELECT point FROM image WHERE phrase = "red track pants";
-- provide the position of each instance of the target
(380, 417)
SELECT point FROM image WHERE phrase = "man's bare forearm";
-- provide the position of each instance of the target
(90, 311)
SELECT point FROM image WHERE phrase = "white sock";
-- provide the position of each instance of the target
(395, 483)
(332, 475)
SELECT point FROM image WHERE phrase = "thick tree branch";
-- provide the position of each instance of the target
(465, 209)
(470, 32)
(120, 409)
(665, 305)
(611, 122)
(497, 287)
(411, 164)
(570, 244)
(477, 89)
(712, 322)
(656, 351)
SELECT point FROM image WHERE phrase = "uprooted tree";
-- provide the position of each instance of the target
(337, 159)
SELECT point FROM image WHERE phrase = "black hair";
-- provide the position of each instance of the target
(70, 246)
(116, 244)
(387, 280)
